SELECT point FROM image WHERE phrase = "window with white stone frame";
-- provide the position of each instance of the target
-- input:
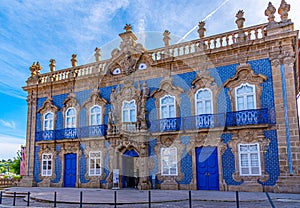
(245, 97)
(48, 121)
(70, 118)
(95, 163)
(203, 101)
(169, 161)
(167, 107)
(95, 115)
(129, 111)
(249, 159)
(47, 164)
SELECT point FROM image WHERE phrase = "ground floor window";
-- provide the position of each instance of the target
(47, 164)
(249, 159)
(169, 161)
(95, 163)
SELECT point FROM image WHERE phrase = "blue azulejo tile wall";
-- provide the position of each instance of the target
(186, 162)
(271, 159)
(57, 166)
(228, 162)
(37, 164)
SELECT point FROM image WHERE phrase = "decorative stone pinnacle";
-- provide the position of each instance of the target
(240, 19)
(74, 60)
(283, 10)
(269, 12)
(167, 38)
(52, 65)
(128, 28)
(201, 31)
(35, 69)
(98, 54)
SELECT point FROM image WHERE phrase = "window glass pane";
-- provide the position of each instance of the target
(172, 111)
(244, 160)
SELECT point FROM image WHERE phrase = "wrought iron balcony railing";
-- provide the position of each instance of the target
(230, 119)
(204, 121)
(165, 125)
(247, 117)
(72, 133)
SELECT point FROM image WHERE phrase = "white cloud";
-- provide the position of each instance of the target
(9, 124)
(9, 146)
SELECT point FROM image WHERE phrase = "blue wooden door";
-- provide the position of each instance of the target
(70, 170)
(207, 168)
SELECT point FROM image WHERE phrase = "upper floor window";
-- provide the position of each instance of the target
(245, 97)
(47, 164)
(48, 121)
(203, 101)
(70, 118)
(129, 111)
(95, 115)
(167, 107)
(249, 159)
(169, 161)
(95, 163)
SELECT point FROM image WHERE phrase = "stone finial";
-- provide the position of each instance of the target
(35, 69)
(283, 10)
(167, 37)
(201, 31)
(240, 19)
(128, 28)
(269, 12)
(97, 54)
(74, 60)
(52, 65)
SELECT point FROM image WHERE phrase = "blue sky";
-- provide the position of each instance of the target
(36, 30)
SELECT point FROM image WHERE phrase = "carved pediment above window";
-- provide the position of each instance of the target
(167, 140)
(167, 88)
(244, 73)
(48, 106)
(71, 101)
(95, 99)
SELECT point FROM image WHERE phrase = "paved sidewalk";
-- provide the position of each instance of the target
(132, 196)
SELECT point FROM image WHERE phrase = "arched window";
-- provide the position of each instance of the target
(129, 111)
(95, 115)
(48, 121)
(245, 97)
(167, 107)
(203, 101)
(70, 118)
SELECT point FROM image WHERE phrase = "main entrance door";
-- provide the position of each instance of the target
(70, 170)
(207, 168)
(130, 172)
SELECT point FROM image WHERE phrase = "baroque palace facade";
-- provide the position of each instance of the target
(215, 113)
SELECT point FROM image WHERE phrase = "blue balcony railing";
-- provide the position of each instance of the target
(165, 125)
(247, 117)
(45, 135)
(204, 121)
(72, 133)
(93, 131)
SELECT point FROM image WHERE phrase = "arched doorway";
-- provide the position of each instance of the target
(130, 171)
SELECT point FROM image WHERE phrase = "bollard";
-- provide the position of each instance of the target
(55, 199)
(237, 199)
(80, 199)
(190, 198)
(1, 197)
(14, 200)
(270, 200)
(149, 197)
(115, 199)
(28, 198)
